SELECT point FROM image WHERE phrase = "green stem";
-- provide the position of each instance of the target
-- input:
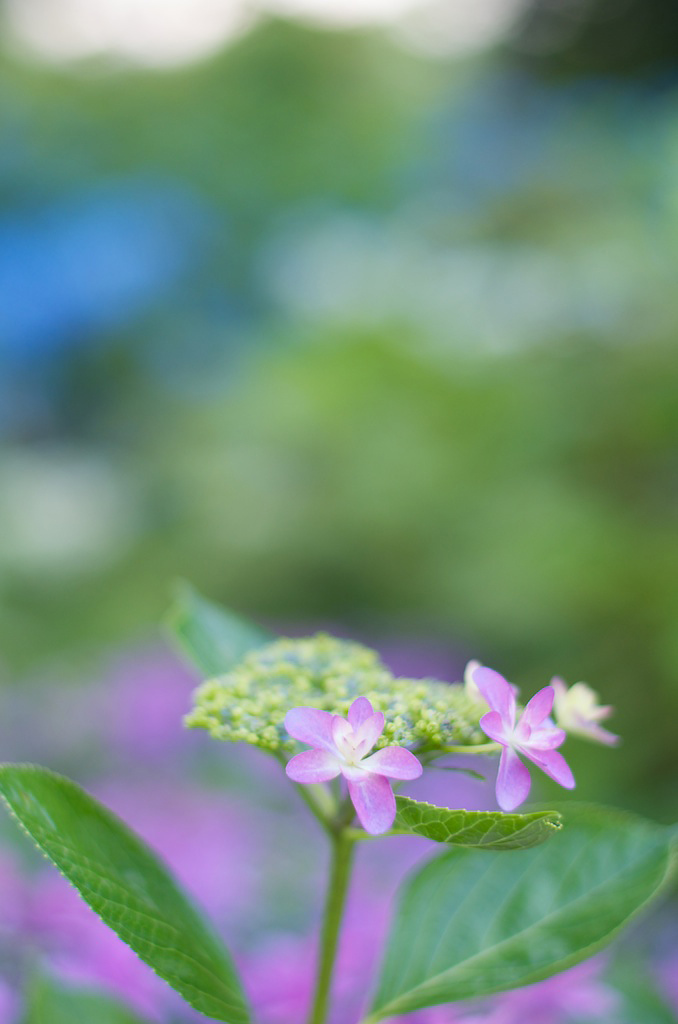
(340, 873)
(428, 754)
(319, 803)
(478, 748)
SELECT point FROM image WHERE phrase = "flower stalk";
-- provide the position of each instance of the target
(337, 889)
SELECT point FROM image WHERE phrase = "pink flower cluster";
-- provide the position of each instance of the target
(340, 747)
(229, 853)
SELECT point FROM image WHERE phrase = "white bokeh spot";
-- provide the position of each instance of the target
(157, 33)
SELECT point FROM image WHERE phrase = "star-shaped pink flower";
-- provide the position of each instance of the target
(340, 747)
(534, 736)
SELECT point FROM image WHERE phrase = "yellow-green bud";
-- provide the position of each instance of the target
(249, 703)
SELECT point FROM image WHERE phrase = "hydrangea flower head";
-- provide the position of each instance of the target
(577, 710)
(340, 746)
(533, 735)
(248, 703)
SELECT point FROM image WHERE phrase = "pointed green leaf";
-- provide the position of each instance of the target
(486, 830)
(213, 638)
(469, 926)
(127, 886)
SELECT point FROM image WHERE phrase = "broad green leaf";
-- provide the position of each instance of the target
(49, 1002)
(486, 830)
(127, 886)
(213, 638)
(469, 926)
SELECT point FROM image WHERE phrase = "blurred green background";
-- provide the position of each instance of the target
(368, 325)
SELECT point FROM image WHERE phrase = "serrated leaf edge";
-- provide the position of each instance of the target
(39, 770)
(548, 819)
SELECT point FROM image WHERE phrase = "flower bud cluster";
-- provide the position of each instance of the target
(249, 703)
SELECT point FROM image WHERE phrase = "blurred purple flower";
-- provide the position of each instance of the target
(10, 1004)
(418, 659)
(143, 701)
(208, 839)
(571, 995)
(278, 976)
(667, 975)
(14, 896)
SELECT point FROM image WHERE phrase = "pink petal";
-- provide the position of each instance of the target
(359, 711)
(394, 763)
(546, 738)
(354, 772)
(538, 707)
(493, 726)
(553, 764)
(599, 714)
(598, 733)
(313, 766)
(559, 685)
(497, 692)
(368, 733)
(309, 725)
(374, 802)
(513, 780)
(341, 732)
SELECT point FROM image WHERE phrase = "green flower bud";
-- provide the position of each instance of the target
(249, 703)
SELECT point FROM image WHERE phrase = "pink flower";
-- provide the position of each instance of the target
(340, 748)
(534, 736)
(471, 687)
(577, 711)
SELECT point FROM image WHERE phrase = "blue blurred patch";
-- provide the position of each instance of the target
(75, 271)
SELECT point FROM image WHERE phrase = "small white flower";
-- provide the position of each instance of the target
(577, 711)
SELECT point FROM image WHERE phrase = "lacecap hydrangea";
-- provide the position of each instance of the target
(249, 703)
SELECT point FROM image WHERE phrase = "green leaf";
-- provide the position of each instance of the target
(213, 638)
(468, 926)
(127, 886)
(52, 1003)
(485, 830)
